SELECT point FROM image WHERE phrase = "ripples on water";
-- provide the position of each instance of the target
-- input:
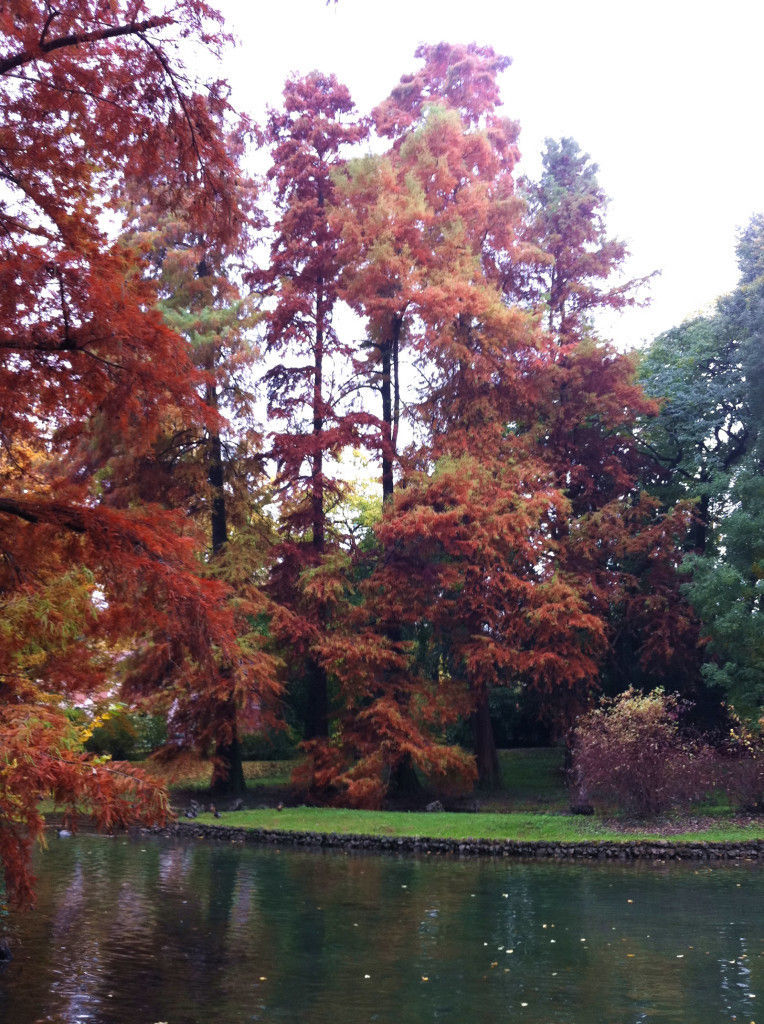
(189, 933)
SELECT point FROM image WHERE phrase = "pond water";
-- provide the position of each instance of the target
(139, 932)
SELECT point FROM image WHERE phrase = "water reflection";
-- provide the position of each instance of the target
(190, 933)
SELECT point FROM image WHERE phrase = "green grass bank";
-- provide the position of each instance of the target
(522, 826)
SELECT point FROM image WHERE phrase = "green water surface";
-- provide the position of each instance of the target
(151, 931)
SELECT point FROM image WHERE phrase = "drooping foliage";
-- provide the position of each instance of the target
(87, 365)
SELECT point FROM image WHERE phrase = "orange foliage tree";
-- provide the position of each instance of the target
(89, 367)
(468, 555)
(310, 412)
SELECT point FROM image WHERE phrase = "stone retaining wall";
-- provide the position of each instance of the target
(628, 850)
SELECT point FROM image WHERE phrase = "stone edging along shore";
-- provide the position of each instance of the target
(752, 849)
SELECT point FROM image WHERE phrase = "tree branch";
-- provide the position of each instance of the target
(78, 39)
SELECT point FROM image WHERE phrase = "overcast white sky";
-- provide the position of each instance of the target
(665, 96)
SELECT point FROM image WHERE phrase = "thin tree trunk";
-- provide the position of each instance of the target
(387, 417)
(404, 782)
(390, 390)
(316, 722)
(228, 773)
(218, 516)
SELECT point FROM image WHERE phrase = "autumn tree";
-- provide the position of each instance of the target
(308, 383)
(617, 540)
(87, 363)
(566, 219)
(215, 472)
(396, 211)
(431, 222)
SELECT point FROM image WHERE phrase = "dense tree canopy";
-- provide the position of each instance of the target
(707, 441)
(394, 295)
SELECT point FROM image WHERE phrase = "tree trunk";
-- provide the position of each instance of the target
(316, 722)
(317, 710)
(699, 530)
(387, 419)
(404, 782)
(485, 744)
(390, 389)
(228, 774)
(218, 517)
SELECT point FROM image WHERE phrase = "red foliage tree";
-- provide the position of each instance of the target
(468, 550)
(86, 365)
(312, 424)
(421, 222)
(624, 552)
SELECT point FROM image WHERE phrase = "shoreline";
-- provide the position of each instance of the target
(629, 849)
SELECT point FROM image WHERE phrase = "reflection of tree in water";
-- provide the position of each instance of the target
(187, 933)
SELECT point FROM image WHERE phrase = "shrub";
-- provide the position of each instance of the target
(740, 767)
(629, 751)
(127, 735)
(276, 745)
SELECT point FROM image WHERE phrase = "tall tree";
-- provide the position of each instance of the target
(432, 222)
(566, 220)
(707, 441)
(615, 541)
(214, 472)
(450, 160)
(88, 90)
(312, 423)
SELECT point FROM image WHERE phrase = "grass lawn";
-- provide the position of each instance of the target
(531, 778)
(528, 806)
(521, 826)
